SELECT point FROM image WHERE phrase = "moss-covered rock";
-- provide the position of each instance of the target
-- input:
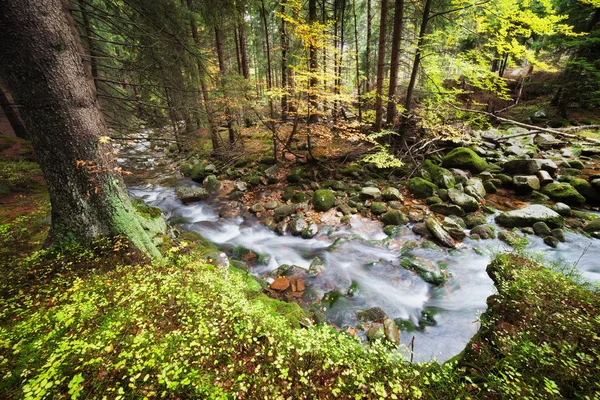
(198, 172)
(421, 188)
(394, 217)
(391, 194)
(211, 184)
(323, 200)
(462, 157)
(590, 193)
(378, 208)
(563, 192)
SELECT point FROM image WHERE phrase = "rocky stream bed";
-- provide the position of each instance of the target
(400, 260)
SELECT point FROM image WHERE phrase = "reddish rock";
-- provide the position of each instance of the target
(280, 284)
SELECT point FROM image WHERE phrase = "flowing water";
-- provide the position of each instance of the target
(372, 267)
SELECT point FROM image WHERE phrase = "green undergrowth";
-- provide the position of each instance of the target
(539, 337)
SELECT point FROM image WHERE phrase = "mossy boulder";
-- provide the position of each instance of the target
(563, 192)
(211, 184)
(462, 157)
(421, 188)
(394, 217)
(323, 200)
(447, 209)
(300, 197)
(284, 211)
(530, 215)
(190, 194)
(378, 208)
(392, 194)
(590, 193)
(198, 172)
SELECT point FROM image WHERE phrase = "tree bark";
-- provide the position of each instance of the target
(219, 46)
(268, 51)
(357, 63)
(43, 70)
(417, 60)
(238, 56)
(380, 66)
(396, 39)
(13, 116)
(244, 51)
(368, 49)
(284, 83)
(90, 42)
(313, 81)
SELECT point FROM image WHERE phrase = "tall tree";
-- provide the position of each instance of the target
(42, 69)
(368, 49)
(381, 65)
(268, 51)
(313, 82)
(356, 58)
(417, 59)
(284, 67)
(396, 39)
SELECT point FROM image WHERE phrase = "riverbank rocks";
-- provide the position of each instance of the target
(544, 177)
(392, 194)
(394, 217)
(454, 229)
(391, 331)
(310, 231)
(323, 200)
(198, 172)
(530, 215)
(592, 226)
(421, 188)
(563, 192)
(284, 211)
(427, 270)
(521, 167)
(484, 232)
(474, 187)
(191, 194)
(211, 184)
(591, 195)
(465, 201)
(447, 209)
(370, 193)
(317, 265)
(462, 157)
(541, 229)
(526, 183)
(562, 209)
(440, 234)
(378, 208)
(373, 314)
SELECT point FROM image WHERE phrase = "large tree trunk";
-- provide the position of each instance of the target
(268, 51)
(368, 49)
(13, 116)
(356, 58)
(396, 38)
(313, 82)
(417, 59)
(42, 68)
(244, 51)
(380, 66)
(284, 74)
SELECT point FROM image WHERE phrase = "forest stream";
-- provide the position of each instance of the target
(362, 265)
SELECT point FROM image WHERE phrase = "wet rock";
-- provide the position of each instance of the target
(323, 200)
(528, 216)
(373, 314)
(416, 216)
(454, 229)
(284, 211)
(521, 167)
(282, 228)
(271, 205)
(467, 202)
(344, 208)
(526, 183)
(504, 179)
(585, 188)
(551, 241)
(391, 331)
(280, 284)
(473, 220)
(444, 179)
(297, 226)
(563, 192)
(484, 232)
(376, 332)
(438, 231)
(595, 183)
(392, 194)
(490, 186)
(433, 200)
(576, 164)
(257, 208)
(190, 194)
(394, 217)
(211, 184)
(443, 194)
(474, 187)
(317, 266)
(420, 228)
(241, 186)
(538, 197)
(378, 208)
(447, 209)
(410, 245)
(310, 231)
(592, 226)
(460, 176)
(527, 230)
(464, 158)
(544, 177)
(559, 234)
(272, 171)
(299, 197)
(421, 188)
(562, 209)
(548, 166)
(370, 193)
(541, 229)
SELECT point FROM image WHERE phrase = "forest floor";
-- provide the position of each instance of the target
(103, 322)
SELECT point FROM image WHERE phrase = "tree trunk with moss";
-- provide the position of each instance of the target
(42, 68)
